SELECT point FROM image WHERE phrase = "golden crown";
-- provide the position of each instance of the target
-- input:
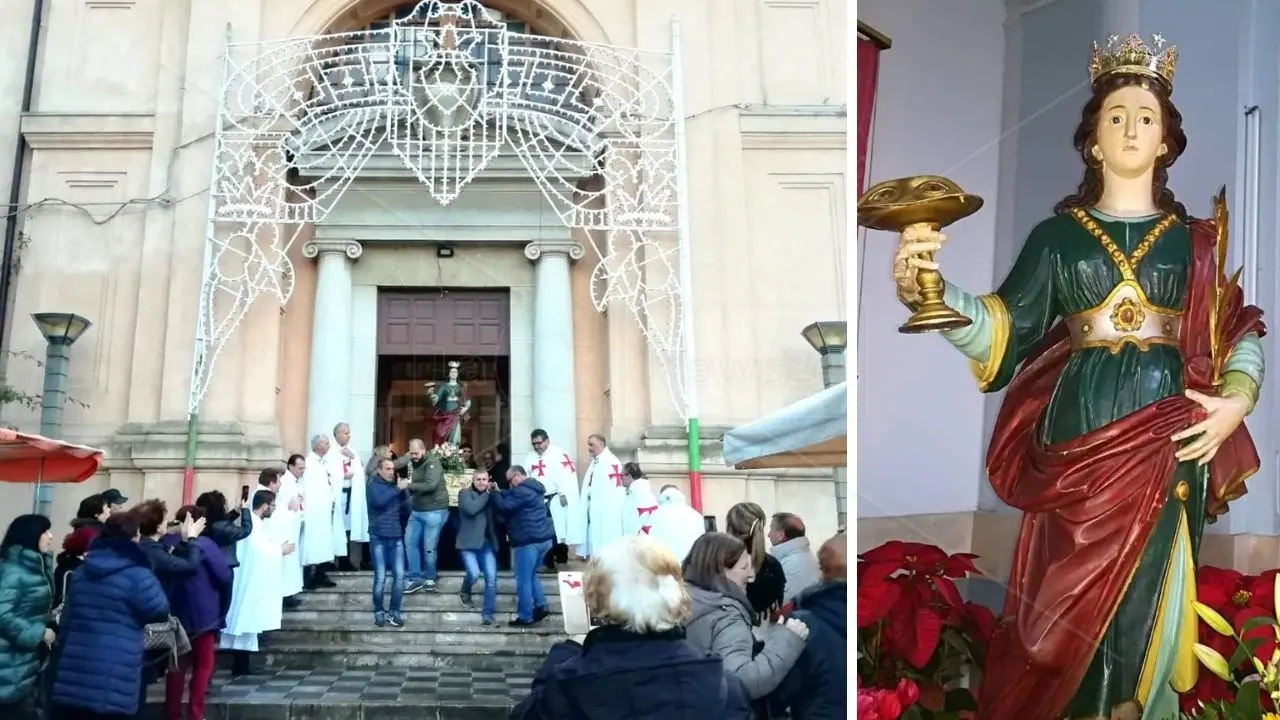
(1132, 56)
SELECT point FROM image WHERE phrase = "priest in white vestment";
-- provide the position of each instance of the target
(318, 501)
(605, 493)
(256, 593)
(553, 468)
(285, 524)
(641, 503)
(342, 461)
(676, 524)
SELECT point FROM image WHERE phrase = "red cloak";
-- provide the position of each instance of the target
(1090, 503)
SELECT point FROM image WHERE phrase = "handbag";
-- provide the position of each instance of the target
(55, 615)
(166, 635)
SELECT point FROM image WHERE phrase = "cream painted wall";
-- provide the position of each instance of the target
(124, 108)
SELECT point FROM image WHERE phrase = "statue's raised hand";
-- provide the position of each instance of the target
(1224, 415)
(916, 246)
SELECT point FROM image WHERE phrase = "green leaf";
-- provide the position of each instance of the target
(1254, 622)
(1248, 700)
(1244, 652)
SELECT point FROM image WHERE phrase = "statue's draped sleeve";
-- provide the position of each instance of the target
(1011, 322)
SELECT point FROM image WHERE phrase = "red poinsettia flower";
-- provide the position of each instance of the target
(979, 625)
(881, 570)
(908, 692)
(1226, 591)
(915, 558)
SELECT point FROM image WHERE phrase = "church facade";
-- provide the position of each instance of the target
(376, 259)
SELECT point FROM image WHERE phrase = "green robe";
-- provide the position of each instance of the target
(1063, 270)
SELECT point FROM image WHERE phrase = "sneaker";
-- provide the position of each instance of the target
(429, 585)
(395, 620)
(413, 586)
(465, 597)
(520, 623)
(487, 620)
(540, 614)
(379, 619)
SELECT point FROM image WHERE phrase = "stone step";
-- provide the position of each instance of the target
(433, 618)
(324, 655)
(360, 694)
(449, 583)
(364, 636)
(400, 709)
(334, 600)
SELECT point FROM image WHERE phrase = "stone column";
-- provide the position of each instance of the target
(555, 406)
(329, 383)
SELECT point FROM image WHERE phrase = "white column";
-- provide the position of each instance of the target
(329, 383)
(555, 406)
(362, 409)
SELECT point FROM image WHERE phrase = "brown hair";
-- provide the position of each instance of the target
(1175, 141)
(151, 515)
(745, 521)
(122, 526)
(269, 475)
(711, 555)
(832, 558)
(195, 512)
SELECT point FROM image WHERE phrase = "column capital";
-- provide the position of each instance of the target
(314, 248)
(536, 249)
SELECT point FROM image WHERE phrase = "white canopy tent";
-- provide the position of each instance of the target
(809, 433)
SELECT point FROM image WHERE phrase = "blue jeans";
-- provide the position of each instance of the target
(528, 558)
(420, 539)
(473, 561)
(387, 551)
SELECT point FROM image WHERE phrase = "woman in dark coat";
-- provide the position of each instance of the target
(746, 521)
(196, 602)
(110, 599)
(26, 598)
(636, 664)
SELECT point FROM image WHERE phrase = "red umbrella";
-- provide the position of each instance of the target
(36, 459)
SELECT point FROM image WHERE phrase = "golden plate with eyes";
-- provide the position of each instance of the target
(894, 204)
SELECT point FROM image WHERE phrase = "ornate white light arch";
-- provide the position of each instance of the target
(446, 90)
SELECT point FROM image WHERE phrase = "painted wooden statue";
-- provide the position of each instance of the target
(449, 405)
(1130, 364)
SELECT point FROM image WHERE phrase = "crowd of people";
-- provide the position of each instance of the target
(137, 594)
(745, 623)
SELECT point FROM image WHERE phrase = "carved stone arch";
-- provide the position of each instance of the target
(578, 21)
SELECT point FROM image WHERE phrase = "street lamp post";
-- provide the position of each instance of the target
(830, 338)
(60, 331)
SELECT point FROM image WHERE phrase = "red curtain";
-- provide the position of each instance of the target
(868, 65)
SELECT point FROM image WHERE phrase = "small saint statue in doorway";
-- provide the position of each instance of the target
(449, 405)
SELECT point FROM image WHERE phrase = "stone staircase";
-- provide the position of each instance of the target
(329, 662)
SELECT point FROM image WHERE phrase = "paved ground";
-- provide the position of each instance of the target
(379, 684)
(366, 693)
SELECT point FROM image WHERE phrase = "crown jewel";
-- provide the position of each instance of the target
(455, 364)
(1132, 56)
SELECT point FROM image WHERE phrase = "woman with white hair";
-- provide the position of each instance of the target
(635, 664)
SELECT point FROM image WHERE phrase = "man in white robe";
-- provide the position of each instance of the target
(676, 524)
(286, 522)
(256, 593)
(318, 501)
(342, 461)
(640, 504)
(553, 468)
(605, 494)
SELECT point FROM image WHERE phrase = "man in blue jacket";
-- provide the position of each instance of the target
(532, 535)
(388, 499)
